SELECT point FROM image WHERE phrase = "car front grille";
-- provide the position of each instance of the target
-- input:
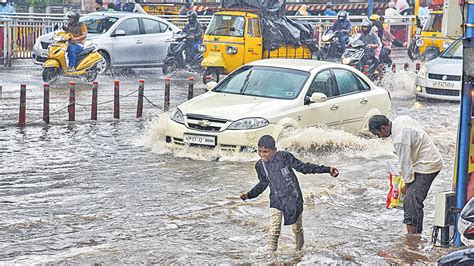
(45, 45)
(205, 123)
(444, 77)
(40, 59)
(442, 92)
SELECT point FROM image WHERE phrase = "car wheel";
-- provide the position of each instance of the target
(104, 66)
(213, 72)
(169, 67)
(50, 74)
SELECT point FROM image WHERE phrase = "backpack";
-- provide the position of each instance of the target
(128, 7)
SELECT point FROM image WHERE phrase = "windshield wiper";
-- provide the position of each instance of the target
(246, 82)
(213, 32)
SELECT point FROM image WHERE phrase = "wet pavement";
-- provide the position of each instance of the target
(110, 192)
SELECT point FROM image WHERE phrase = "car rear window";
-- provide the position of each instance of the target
(269, 82)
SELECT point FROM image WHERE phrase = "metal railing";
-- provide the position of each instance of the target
(20, 31)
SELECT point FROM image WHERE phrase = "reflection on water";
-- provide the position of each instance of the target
(111, 192)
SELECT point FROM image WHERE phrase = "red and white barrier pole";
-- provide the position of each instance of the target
(394, 68)
(22, 118)
(72, 101)
(406, 66)
(191, 88)
(166, 104)
(46, 103)
(116, 99)
(141, 89)
(95, 87)
(417, 67)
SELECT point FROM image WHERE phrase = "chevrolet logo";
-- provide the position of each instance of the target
(204, 123)
(444, 77)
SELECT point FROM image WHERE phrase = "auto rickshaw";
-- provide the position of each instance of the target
(234, 38)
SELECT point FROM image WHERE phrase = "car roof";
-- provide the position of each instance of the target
(119, 14)
(298, 64)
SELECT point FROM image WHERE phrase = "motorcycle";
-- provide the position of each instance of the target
(176, 56)
(329, 46)
(354, 54)
(88, 63)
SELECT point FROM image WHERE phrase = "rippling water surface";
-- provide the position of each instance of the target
(111, 192)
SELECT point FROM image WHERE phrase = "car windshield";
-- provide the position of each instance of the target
(433, 23)
(98, 24)
(453, 51)
(269, 82)
(224, 25)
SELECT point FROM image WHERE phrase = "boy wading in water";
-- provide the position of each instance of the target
(275, 169)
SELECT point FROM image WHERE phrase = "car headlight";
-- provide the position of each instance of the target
(446, 44)
(420, 42)
(248, 123)
(88, 43)
(201, 48)
(231, 49)
(422, 72)
(177, 116)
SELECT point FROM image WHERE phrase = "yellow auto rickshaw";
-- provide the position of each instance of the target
(431, 41)
(234, 38)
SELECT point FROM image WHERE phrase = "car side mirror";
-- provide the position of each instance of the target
(318, 97)
(170, 29)
(211, 85)
(119, 33)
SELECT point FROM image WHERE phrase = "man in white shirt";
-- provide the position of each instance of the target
(419, 159)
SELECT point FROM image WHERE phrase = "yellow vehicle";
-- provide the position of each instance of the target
(431, 41)
(234, 38)
(89, 61)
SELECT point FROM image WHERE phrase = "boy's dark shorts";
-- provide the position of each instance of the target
(414, 197)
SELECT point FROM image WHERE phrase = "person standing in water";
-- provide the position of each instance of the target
(275, 169)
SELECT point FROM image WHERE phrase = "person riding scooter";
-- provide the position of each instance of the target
(343, 26)
(78, 30)
(193, 31)
(377, 22)
(372, 42)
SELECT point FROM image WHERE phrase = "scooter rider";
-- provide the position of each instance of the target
(193, 30)
(343, 26)
(78, 30)
(372, 42)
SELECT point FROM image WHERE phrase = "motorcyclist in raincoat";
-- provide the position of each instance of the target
(193, 30)
(275, 169)
(343, 27)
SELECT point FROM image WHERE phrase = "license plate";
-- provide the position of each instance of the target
(44, 54)
(443, 84)
(200, 139)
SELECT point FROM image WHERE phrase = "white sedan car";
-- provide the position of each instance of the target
(440, 78)
(274, 95)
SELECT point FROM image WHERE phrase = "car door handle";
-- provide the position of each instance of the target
(364, 101)
(139, 42)
(334, 107)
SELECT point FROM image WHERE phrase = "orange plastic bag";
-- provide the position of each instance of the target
(395, 196)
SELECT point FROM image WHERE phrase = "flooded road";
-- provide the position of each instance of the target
(109, 191)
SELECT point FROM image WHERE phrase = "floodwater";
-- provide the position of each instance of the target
(109, 191)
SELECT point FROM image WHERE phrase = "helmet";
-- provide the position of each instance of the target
(329, 5)
(341, 15)
(366, 26)
(74, 15)
(3, 2)
(374, 17)
(192, 15)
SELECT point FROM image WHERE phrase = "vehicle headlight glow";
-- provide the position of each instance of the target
(248, 123)
(422, 72)
(419, 42)
(201, 48)
(177, 116)
(231, 50)
(88, 43)
(346, 61)
(446, 44)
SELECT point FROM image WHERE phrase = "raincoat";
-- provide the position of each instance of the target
(285, 191)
